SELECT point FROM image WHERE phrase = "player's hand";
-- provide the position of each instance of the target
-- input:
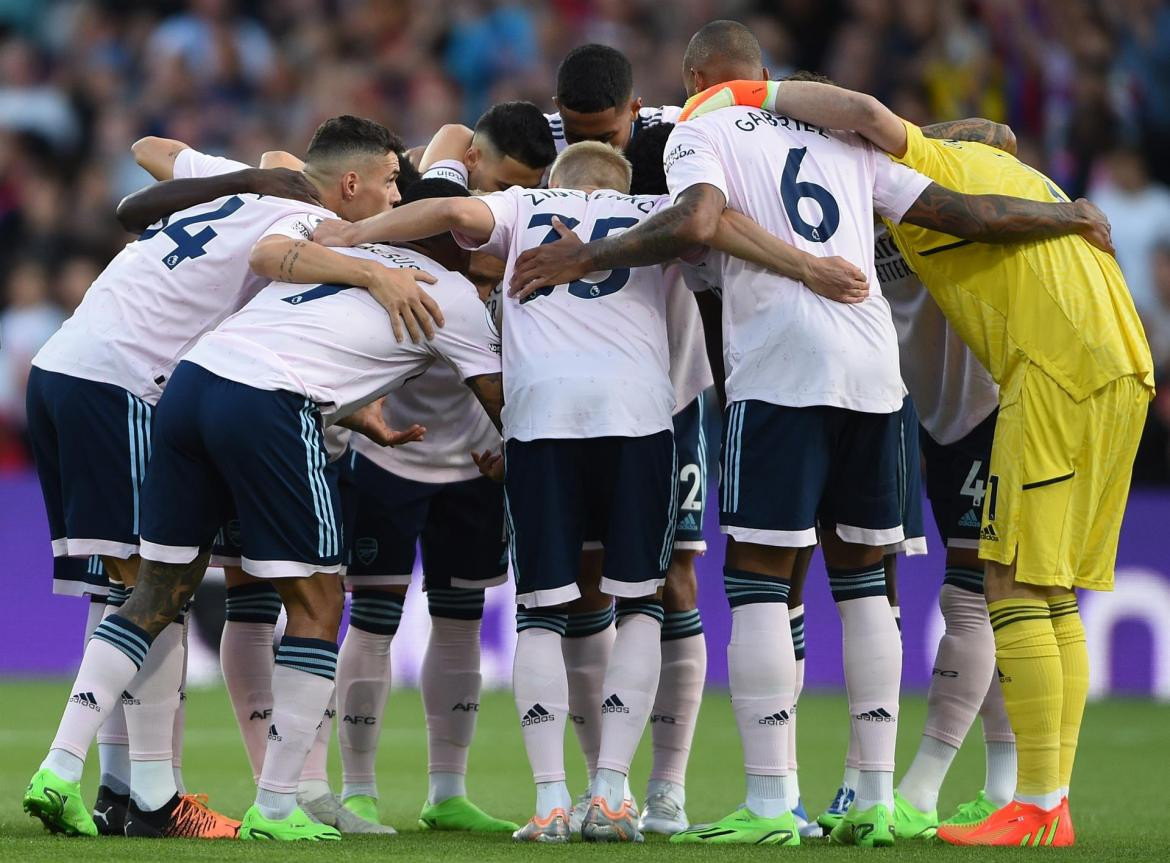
(407, 304)
(334, 232)
(1096, 229)
(490, 464)
(284, 183)
(835, 279)
(551, 264)
(371, 422)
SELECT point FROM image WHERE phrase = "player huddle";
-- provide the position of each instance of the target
(230, 388)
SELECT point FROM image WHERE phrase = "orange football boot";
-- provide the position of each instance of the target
(1017, 824)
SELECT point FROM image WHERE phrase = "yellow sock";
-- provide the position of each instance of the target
(1074, 663)
(1030, 675)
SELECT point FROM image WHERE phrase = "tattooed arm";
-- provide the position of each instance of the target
(998, 135)
(489, 389)
(692, 221)
(1003, 219)
(283, 259)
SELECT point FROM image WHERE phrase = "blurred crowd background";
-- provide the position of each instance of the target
(1085, 84)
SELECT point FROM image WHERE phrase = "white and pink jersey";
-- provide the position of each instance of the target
(177, 281)
(334, 343)
(951, 389)
(646, 118)
(690, 369)
(817, 190)
(587, 359)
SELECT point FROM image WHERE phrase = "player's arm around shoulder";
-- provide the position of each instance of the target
(1004, 219)
(449, 144)
(469, 217)
(157, 155)
(285, 258)
(975, 129)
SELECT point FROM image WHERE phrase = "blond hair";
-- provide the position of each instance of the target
(591, 164)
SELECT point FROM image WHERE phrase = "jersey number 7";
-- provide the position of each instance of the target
(615, 281)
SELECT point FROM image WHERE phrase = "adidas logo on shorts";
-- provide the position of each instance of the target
(780, 718)
(613, 704)
(85, 699)
(879, 715)
(969, 519)
(536, 714)
(1003, 678)
(988, 534)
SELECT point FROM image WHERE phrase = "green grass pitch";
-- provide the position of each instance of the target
(1118, 804)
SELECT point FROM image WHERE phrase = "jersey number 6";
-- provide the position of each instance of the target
(791, 193)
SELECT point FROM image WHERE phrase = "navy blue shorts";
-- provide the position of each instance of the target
(227, 550)
(910, 484)
(786, 469)
(80, 576)
(91, 442)
(956, 481)
(690, 440)
(622, 490)
(460, 526)
(224, 448)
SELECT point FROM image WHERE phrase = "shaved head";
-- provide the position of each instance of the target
(722, 51)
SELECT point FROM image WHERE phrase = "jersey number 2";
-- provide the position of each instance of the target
(792, 192)
(187, 245)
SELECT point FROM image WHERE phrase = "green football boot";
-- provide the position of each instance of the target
(58, 804)
(743, 827)
(296, 827)
(911, 822)
(459, 813)
(363, 806)
(869, 828)
(972, 812)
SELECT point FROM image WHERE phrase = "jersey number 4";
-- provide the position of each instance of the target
(189, 245)
(792, 192)
(615, 281)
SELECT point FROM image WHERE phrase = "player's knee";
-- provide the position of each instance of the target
(124, 570)
(313, 605)
(849, 555)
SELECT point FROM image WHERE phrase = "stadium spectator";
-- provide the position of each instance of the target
(1138, 207)
(80, 79)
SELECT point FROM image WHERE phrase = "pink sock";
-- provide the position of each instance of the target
(317, 761)
(111, 661)
(796, 627)
(302, 685)
(872, 648)
(363, 682)
(631, 682)
(541, 689)
(112, 740)
(450, 685)
(680, 691)
(246, 658)
(963, 666)
(150, 719)
(761, 669)
(586, 648)
(181, 716)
